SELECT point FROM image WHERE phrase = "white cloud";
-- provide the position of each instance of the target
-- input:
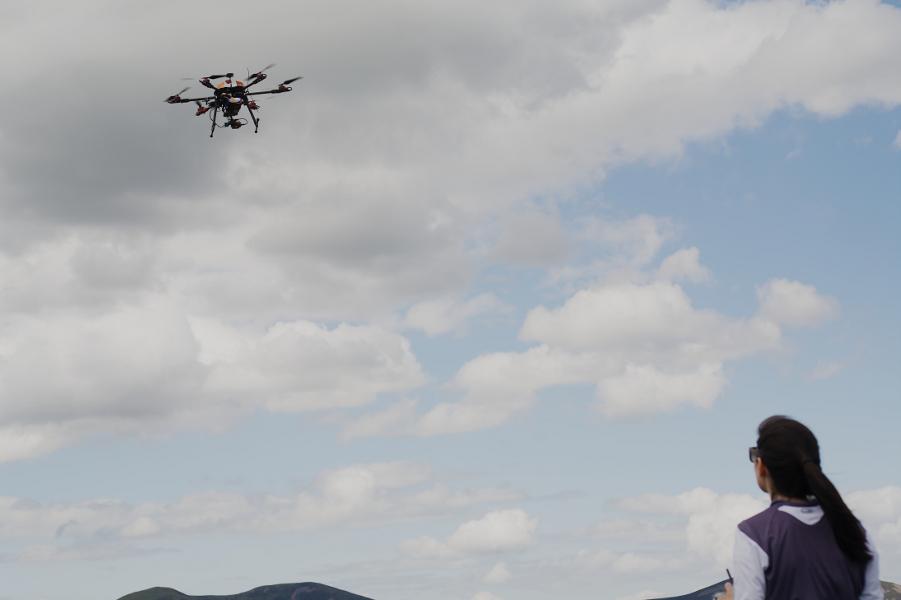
(795, 304)
(358, 493)
(496, 532)
(685, 265)
(711, 518)
(148, 367)
(406, 150)
(436, 317)
(629, 563)
(499, 573)
(396, 419)
(498, 386)
(486, 596)
(634, 563)
(64, 375)
(880, 512)
(826, 370)
(624, 530)
(644, 321)
(642, 389)
(636, 240)
(644, 346)
(301, 365)
(532, 238)
(897, 142)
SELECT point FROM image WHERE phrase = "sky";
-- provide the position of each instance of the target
(489, 309)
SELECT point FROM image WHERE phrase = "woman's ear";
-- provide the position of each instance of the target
(763, 476)
(760, 469)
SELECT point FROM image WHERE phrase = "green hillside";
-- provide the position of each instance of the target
(283, 591)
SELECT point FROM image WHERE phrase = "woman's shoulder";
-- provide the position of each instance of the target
(759, 521)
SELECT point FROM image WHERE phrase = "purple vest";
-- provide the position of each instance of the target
(805, 562)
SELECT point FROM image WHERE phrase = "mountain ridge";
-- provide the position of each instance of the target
(317, 591)
(892, 592)
(281, 591)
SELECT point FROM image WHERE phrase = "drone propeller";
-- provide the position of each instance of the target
(260, 72)
(229, 75)
(175, 97)
(292, 80)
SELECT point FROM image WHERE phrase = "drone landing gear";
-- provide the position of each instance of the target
(253, 117)
(213, 127)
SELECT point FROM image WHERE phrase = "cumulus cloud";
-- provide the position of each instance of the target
(707, 521)
(793, 303)
(711, 518)
(644, 347)
(358, 493)
(826, 370)
(612, 249)
(636, 240)
(496, 532)
(646, 321)
(435, 113)
(300, 365)
(499, 573)
(532, 238)
(880, 511)
(628, 563)
(498, 386)
(436, 317)
(685, 265)
(379, 175)
(137, 363)
(642, 389)
(142, 368)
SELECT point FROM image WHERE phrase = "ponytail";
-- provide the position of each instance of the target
(848, 531)
(791, 454)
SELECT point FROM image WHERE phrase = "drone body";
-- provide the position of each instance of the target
(229, 97)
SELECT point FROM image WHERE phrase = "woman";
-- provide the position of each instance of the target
(807, 545)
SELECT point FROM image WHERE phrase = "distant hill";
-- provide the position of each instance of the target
(317, 591)
(892, 592)
(282, 591)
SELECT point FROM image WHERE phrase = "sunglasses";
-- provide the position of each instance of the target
(753, 454)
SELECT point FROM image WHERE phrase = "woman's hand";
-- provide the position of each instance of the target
(726, 594)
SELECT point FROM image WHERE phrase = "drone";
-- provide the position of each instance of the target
(229, 96)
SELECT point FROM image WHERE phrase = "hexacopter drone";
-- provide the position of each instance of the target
(229, 96)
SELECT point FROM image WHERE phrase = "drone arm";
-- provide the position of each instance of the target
(275, 91)
(255, 80)
(281, 89)
(178, 100)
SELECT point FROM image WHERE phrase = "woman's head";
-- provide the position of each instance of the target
(786, 447)
(790, 457)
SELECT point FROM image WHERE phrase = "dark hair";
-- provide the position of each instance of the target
(792, 456)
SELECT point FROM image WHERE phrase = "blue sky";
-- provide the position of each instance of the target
(478, 314)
